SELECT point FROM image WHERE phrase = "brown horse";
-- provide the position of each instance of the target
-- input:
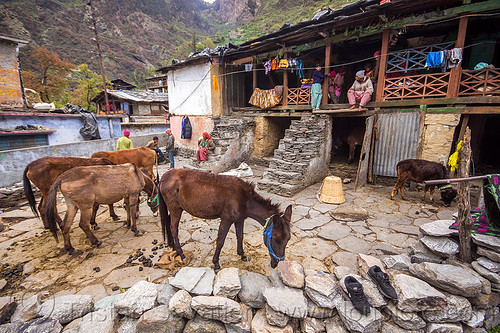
(84, 187)
(209, 196)
(353, 138)
(142, 157)
(43, 173)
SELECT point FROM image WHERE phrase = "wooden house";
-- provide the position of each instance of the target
(134, 103)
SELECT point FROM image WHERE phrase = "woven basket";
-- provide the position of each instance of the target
(331, 191)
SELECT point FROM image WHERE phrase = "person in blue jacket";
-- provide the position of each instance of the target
(316, 90)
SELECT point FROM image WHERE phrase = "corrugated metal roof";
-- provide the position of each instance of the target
(138, 96)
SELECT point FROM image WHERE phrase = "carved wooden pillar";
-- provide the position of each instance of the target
(383, 64)
(456, 73)
(328, 52)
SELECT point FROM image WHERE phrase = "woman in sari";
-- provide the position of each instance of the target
(205, 144)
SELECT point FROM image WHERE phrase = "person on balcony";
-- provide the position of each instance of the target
(361, 91)
(205, 144)
(316, 91)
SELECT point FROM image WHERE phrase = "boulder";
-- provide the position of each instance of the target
(140, 298)
(165, 294)
(260, 324)
(26, 310)
(159, 319)
(66, 308)
(322, 289)
(276, 318)
(180, 304)
(356, 322)
(290, 301)
(373, 295)
(315, 311)
(493, 255)
(127, 325)
(313, 263)
(407, 320)
(227, 283)
(491, 276)
(203, 325)
(252, 287)
(366, 261)
(342, 271)
(245, 325)
(312, 325)
(441, 245)
(103, 320)
(72, 327)
(477, 318)
(416, 295)
(39, 325)
(7, 308)
(457, 309)
(453, 279)
(291, 273)
(444, 328)
(420, 253)
(439, 228)
(490, 242)
(217, 308)
(485, 300)
(492, 317)
(198, 281)
(398, 261)
(391, 328)
(107, 301)
(275, 279)
(335, 325)
(489, 264)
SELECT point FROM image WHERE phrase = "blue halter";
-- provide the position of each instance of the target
(268, 234)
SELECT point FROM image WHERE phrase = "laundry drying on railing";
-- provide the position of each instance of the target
(266, 99)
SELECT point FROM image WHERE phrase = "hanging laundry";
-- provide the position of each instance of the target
(454, 57)
(300, 69)
(283, 63)
(216, 84)
(434, 59)
(274, 64)
(267, 66)
(248, 67)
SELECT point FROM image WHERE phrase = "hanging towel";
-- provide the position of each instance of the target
(434, 59)
(454, 57)
(300, 69)
(248, 67)
(267, 66)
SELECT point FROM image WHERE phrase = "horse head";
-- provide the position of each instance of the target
(151, 188)
(277, 234)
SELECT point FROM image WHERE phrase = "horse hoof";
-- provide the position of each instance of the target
(216, 267)
(244, 258)
(115, 217)
(73, 252)
(96, 227)
(155, 214)
(138, 233)
(100, 245)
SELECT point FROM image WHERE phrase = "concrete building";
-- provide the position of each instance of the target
(11, 87)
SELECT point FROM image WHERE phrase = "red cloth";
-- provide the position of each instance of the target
(201, 155)
(206, 136)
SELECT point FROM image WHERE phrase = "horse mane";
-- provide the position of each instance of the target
(274, 207)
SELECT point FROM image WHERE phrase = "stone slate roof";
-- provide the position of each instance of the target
(136, 96)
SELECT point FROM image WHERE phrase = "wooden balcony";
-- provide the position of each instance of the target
(417, 86)
(299, 96)
(484, 82)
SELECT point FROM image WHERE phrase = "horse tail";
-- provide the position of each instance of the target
(28, 192)
(50, 207)
(164, 218)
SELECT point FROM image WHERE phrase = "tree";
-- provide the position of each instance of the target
(89, 85)
(50, 76)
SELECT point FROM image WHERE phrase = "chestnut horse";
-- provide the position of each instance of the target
(84, 187)
(210, 196)
(43, 173)
(142, 157)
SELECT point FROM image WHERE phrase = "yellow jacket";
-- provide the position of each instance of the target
(124, 143)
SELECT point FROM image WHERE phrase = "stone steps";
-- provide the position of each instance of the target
(284, 177)
(277, 188)
(278, 164)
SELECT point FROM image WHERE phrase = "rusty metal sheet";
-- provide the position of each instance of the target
(397, 140)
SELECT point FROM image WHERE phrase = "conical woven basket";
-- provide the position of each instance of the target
(331, 191)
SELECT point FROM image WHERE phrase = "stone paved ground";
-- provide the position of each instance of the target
(323, 235)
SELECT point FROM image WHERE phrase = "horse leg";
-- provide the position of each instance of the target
(352, 149)
(426, 188)
(402, 189)
(86, 214)
(221, 237)
(431, 191)
(41, 210)
(132, 206)
(175, 217)
(399, 183)
(92, 218)
(71, 211)
(112, 213)
(239, 237)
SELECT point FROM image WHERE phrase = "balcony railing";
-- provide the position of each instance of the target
(299, 96)
(416, 86)
(485, 82)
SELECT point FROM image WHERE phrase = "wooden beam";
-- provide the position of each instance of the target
(245, 60)
(383, 64)
(254, 75)
(328, 53)
(465, 123)
(464, 220)
(456, 73)
(436, 101)
(462, 30)
(285, 83)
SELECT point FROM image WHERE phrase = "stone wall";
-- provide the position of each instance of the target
(302, 157)
(10, 82)
(268, 132)
(438, 136)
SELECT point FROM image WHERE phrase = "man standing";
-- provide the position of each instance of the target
(124, 142)
(153, 145)
(170, 147)
(316, 90)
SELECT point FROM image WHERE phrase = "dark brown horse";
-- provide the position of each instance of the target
(84, 187)
(209, 196)
(43, 173)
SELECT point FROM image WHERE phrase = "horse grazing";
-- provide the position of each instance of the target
(83, 187)
(419, 171)
(209, 196)
(353, 138)
(43, 173)
(142, 157)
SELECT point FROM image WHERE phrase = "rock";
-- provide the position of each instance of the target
(322, 290)
(457, 309)
(252, 286)
(275, 279)
(491, 276)
(180, 304)
(313, 263)
(260, 324)
(453, 279)
(441, 245)
(276, 318)
(159, 319)
(315, 311)
(356, 322)
(312, 325)
(492, 318)
(127, 325)
(13, 328)
(420, 253)
(489, 264)
(373, 295)
(485, 283)
(495, 256)
(365, 262)
(103, 321)
(391, 328)
(398, 261)
(349, 213)
(217, 308)
(39, 325)
(406, 320)
(485, 301)
(3, 283)
(26, 310)
(139, 298)
(439, 228)
(165, 294)
(107, 301)
(491, 242)
(291, 273)
(198, 281)
(348, 259)
(72, 327)
(416, 295)
(203, 325)
(290, 301)
(342, 271)
(444, 328)
(227, 283)
(66, 308)
(477, 318)
(7, 307)
(468, 329)
(335, 325)
(353, 244)
(245, 325)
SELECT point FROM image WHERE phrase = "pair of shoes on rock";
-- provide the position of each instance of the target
(357, 295)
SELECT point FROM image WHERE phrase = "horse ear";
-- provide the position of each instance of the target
(288, 213)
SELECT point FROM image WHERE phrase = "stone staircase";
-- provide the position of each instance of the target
(301, 157)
